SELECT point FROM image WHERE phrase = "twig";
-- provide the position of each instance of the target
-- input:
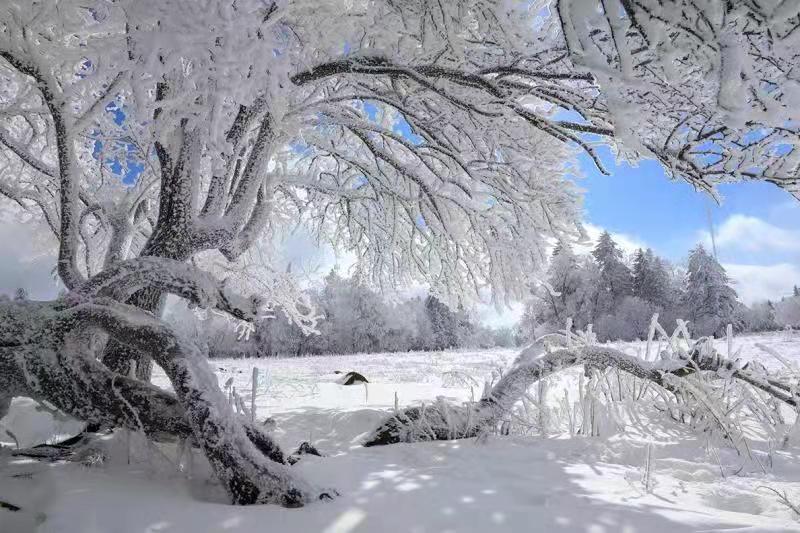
(783, 498)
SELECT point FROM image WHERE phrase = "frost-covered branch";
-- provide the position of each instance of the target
(707, 88)
(444, 421)
(125, 278)
(42, 356)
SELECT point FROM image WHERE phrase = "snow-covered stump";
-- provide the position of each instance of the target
(42, 356)
(444, 421)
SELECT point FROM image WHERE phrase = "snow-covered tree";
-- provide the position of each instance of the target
(355, 318)
(444, 324)
(404, 321)
(651, 278)
(554, 299)
(787, 311)
(429, 139)
(570, 291)
(706, 88)
(242, 117)
(641, 272)
(615, 276)
(629, 320)
(709, 299)
(525, 328)
(760, 316)
(149, 134)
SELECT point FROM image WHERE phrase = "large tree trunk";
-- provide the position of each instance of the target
(118, 357)
(111, 400)
(42, 356)
(165, 243)
(445, 421)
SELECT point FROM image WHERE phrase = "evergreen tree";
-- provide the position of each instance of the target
(651, 279)
(585, 304)
(553, 300)
(787, 312)
(660, 284)
(526, 327)
(444, 324)
(616, 281)
(21, 295)
(710, 301)
(641, 269)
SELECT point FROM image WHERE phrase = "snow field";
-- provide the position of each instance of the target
(522, 482)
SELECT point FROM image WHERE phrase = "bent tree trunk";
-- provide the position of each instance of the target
(42, 356)
(118, 357)
(445, 421)
(108, 398)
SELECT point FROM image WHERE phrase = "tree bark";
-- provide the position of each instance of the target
(118, 357)
(41, 355)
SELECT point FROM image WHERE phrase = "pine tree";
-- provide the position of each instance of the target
(796, 291)
(709, 299)
(651, 279)
(526, 327)
(616, 281)
(641, 272)
(553, 299)
(465, 328)
(787, 312)
(444, 324)
(21, 295)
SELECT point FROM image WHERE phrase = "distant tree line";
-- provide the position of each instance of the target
(606, 290)
(355, 319)
(618, 296)
(20, 295)
(615, 294)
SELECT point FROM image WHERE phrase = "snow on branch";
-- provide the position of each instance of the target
(201, 288)
(443, 421)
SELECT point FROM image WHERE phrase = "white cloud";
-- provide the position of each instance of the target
(628, 243)
(756, 283)
(751, 234)
(772, 267)
(753, 282)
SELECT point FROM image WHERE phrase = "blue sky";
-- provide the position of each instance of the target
(757, 225)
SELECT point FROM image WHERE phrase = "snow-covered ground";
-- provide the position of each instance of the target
(505, 483)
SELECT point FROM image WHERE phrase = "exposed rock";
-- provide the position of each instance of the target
(305, 448)
(351, 378)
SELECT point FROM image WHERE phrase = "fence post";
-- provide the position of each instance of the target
(650, 334)
(253, 392)
(569, 332)
(729, 332)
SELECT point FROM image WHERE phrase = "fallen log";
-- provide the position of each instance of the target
(446, 421)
